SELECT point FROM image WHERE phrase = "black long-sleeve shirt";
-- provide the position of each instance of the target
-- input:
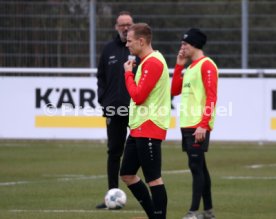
(111, 82)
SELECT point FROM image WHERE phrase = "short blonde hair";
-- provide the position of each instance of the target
(142, 30)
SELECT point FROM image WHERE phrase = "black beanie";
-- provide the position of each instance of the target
(195, 37)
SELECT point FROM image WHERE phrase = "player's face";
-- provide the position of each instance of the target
(122, 25)
(188, 49)
(133, 43)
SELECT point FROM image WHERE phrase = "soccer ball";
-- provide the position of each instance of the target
(115, 199)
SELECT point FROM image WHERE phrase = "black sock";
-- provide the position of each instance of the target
(159, 198)
(141, 193)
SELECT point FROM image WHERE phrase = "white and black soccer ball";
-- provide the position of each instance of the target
(115, 198)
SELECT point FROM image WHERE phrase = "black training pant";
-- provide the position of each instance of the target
(198, 166)
(116, 136)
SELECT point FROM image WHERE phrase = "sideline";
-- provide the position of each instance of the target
(74, 211)
(66, 177)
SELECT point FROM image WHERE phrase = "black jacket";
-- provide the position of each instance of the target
(111, 81)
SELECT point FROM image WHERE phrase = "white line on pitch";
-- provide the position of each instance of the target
(250, 177)
(175, 171)
(72, 177)
(62, 179)
(74, 211)
(13, 183)
(257, 166)
(68, 178)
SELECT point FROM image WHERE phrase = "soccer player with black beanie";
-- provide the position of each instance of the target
(198, 89)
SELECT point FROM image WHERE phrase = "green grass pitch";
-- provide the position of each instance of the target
(66, 179)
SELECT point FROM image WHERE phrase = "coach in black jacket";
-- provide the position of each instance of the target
(114, 98)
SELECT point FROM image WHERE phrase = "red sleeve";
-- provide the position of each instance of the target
(177, 80)
(210, 80)
(151, 72)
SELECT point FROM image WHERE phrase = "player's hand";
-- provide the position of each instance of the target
(128, 65)
(181, 58)
(199, 134)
